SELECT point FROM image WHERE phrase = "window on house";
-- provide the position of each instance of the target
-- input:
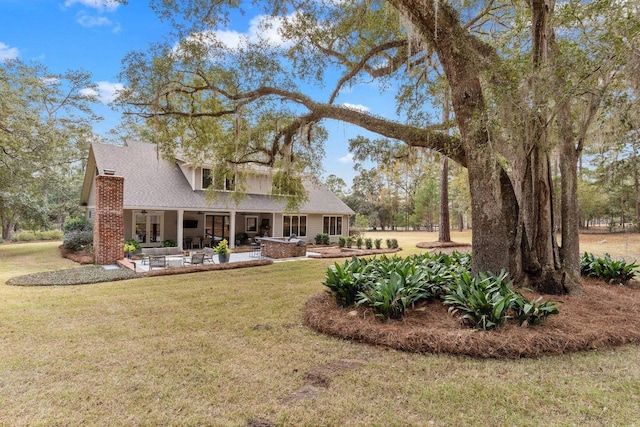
(294, 225)
(251, 224)
(148, 228)
(206, 178)
(230, 183)
(332, 225)
(219, 181)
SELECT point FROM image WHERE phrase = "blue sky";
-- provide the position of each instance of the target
(94, 35)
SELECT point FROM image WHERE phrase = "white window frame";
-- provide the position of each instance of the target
(148, 215)
(210, 178)
(306, 225)
(253, 221)
(333, 232)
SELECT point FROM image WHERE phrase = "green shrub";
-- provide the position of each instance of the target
(133, 243)
(368, 243)
(78, 240)
(611, 271)
(377, 243)
(24, 236)
(78, 234)
(487, 301)
(394, 243)
(532, 312)
(390, 297)
(322, 239)
(483, 301)
(50, 235)
(1, 240)
(349, 242)
(77, 224)
(389, 244)
(347, 281)
(389, 285)
(342, 241)
(169, 243)
(359, 242)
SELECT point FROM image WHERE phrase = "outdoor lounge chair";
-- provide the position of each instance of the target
(196, 259)
(208, 255)
(157, 261)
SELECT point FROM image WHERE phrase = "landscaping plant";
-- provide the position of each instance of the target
(368, 243)
(611, 271)
(390, 297)
(347, 280)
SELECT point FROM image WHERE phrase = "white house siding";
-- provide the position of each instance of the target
(258, 183)
(276, 227)
(314, 226)
(190, 176)
(170, 231)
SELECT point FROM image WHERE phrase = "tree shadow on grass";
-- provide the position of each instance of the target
(601, 316)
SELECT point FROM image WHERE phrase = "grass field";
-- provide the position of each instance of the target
(228, 348)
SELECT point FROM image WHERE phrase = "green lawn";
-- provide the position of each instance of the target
(228, 348)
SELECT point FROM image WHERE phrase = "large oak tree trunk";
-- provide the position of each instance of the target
(512, 220)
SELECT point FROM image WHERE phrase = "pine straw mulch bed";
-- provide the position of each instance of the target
(338, 252)
(602, 316)
(438, 245)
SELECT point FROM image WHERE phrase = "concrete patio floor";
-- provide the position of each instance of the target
(236, 257)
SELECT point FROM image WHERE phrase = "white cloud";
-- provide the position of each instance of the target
(357, 107)
(89, 21)
(262, 28)
(7, 53)
(346, 160)
(108, 5)
(106, 92)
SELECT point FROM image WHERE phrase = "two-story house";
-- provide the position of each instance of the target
(164, 200)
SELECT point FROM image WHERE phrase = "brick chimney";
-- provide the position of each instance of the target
(108, 225)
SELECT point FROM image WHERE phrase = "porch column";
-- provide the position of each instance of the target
(180, 229)
(273, 225)
(232, 230)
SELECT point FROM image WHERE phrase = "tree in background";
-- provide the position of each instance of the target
(45, 129)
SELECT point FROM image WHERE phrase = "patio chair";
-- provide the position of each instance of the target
(256, 248)
(208, 255)
(196, 243)
(157, 261)
(196, 259)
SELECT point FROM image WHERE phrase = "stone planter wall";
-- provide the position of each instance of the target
(276, 249)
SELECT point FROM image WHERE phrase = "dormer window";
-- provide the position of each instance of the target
(221, 183)
(207, 178)
(230, 183)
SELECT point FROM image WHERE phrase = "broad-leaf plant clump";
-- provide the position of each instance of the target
(391, 285)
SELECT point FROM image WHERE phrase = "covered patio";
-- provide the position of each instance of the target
(236, 260)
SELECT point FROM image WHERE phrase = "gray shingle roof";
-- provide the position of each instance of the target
(150, 182)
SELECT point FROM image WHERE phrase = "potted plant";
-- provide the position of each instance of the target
(130, 246)
(223, 251)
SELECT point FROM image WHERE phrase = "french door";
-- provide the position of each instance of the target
(217, 226)
(148, 229)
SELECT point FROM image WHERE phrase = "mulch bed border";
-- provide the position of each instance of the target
(603, 316)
